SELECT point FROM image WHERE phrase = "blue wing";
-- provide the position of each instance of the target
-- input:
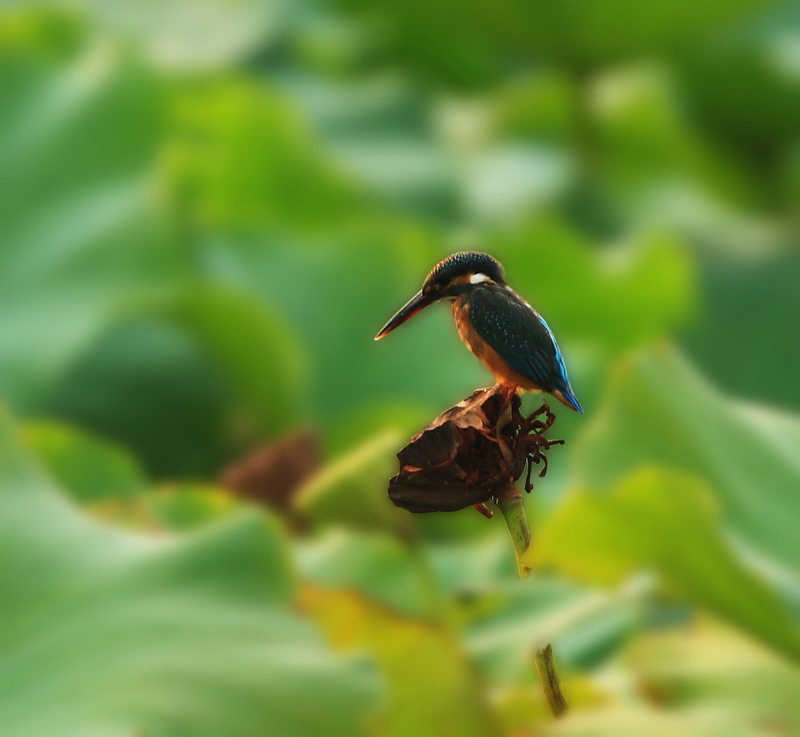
(521, 337)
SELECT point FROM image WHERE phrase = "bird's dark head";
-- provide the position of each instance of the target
(449, 278)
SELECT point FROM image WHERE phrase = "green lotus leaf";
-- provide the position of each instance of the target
(108, 632)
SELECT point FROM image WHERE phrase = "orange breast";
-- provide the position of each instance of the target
(487, 355)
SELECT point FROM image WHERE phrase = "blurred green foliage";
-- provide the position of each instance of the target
(208, 209)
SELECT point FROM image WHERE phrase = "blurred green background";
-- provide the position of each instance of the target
(208, 209)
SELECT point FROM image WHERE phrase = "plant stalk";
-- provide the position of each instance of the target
(548, 677)
(512, 506)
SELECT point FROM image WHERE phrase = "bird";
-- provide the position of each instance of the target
(497, 325)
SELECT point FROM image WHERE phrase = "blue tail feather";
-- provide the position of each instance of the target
(569, 395)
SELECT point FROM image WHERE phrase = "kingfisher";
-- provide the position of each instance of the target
(497, 325)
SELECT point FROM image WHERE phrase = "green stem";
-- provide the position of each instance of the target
(513, 508)
(548, 677)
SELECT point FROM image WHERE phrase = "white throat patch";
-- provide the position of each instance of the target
(478, 278)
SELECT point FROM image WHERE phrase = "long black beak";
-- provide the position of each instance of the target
(411, 308)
